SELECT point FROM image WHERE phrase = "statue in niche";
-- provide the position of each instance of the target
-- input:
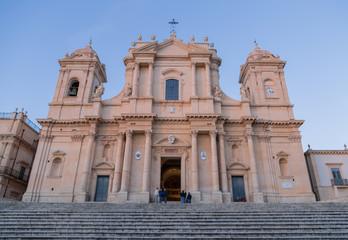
(217, 91)
(243, 93)
(99, 91)
(128, 90)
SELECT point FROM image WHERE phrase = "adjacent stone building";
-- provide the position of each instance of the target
(172, 127)
(328, 171)
(18, 142)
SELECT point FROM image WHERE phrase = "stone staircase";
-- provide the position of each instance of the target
(20, 220)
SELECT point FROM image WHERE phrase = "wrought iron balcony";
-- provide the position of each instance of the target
(339, 182)
(13, 173)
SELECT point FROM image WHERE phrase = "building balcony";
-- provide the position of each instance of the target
(339, 182)
(6, 171)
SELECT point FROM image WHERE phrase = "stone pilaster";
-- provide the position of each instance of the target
(145, 193)
(118, 166)
(122, 196)
(194, 83)
(223, 174)
(150, 80)
(207, 77)
(255, 194)
(135, 80)
(216, 195)
(196, 196)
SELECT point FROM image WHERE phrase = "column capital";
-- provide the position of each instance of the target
(212, 133)
(129, 133)
(148, 133)
(92, 133)
(193, 64)
(221, 133)
(194, 133)
(137, 63)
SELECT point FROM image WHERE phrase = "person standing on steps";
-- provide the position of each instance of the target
(156, 195)
(160, 195)
(165, 195)
(183, 196)
(189, 196)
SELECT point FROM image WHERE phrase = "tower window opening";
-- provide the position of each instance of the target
(73, 89)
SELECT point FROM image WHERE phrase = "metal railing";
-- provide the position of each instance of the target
(339, 182)
(13, 173)
(6, 115)
(32, 125)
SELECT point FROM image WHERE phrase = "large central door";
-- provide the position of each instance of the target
(101, 193)
(238, 188)
(171, 177)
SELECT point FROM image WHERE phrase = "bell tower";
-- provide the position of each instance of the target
(263, 84)
(80, 75)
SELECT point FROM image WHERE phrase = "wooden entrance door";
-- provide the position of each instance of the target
(101, 193)
(238, 187)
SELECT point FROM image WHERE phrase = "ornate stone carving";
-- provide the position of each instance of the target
(128, 90)
(171, 139)
(99, 91)
(212, 133)
(77, 138)
(217, 91)
(129, 133)
(243, 93)
(194, 133)
(295, 138)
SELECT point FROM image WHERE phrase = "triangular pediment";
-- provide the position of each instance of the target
(172, 140)
(104, 165)
(235, 165)
(172, 47)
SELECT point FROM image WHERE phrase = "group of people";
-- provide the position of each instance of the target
(185, 197)
(242, 199)
(162, 195)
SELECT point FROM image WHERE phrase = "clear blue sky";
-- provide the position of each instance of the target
(312, 36)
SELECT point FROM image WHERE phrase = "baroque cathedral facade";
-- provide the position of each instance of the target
(170, 127)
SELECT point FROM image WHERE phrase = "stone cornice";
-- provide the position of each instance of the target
(327, 152)
(202, 115)
(171, 119)
(126, 116)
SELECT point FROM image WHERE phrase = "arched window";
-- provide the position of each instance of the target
(73, 89)
(106, 152)
(283, 165)
(56, 167)
(172, 89)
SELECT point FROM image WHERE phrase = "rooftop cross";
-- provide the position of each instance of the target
(173, 23)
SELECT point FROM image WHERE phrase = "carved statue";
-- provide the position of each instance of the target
(217, 91)
(99, 91)
(243, 92)
(128, 90)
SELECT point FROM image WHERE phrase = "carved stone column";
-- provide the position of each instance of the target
(223, 174)
(149, 83)
(118, 164)
(135, 80)
(127, 161)
(194, 83)
(214, 161)
(87, 164)
(147, 162)
(194, 163)
(207, 77)
(256, 195)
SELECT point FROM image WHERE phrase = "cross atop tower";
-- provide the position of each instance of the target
(172, 27)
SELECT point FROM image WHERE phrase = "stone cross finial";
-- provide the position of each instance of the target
(172, 35)
(345, 147)
(256, 46)
(211, 45)
(153, 37)
(205, 39)
(192, 38)
(133, 44)
(139, 38)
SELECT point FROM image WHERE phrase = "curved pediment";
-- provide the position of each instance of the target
(104, 165)
(234, 165)
(172, 140)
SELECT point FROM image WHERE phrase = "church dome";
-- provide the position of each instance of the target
(87, 51)
(257, 54)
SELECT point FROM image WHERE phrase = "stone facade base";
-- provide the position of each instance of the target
(226, 197)
(196, 197)
(144, 197)
(82, 197)
(122, 197)
(112, 198)
(256, 197)
(216, 197)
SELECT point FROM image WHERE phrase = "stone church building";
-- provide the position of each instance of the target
(170, 127)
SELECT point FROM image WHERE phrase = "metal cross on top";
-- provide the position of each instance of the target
(173, 23)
